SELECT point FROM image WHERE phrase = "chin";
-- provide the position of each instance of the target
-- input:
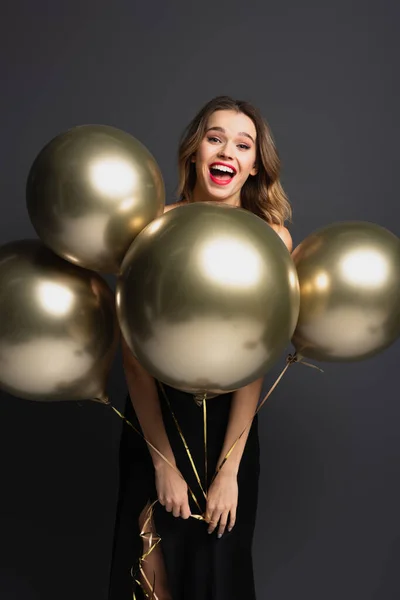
(213, 194)
(216, 198)
(218, 195)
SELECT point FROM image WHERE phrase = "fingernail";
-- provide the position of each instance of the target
(219, 536)
(229, 529)
(209, 532)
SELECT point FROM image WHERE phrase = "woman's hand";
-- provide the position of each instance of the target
(172, 491)
(222, 499)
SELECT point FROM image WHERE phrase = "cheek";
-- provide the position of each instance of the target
(203, 154)
(248, 164)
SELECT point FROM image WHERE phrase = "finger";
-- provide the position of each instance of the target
(214, 521)
(222, 523)
(168, 506)
(209, 512)
(232, 519)
(176, 510)
(185, 510)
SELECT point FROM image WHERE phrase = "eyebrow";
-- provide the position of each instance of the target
(223, 131)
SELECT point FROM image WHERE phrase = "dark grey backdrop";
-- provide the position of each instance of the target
(325, 75)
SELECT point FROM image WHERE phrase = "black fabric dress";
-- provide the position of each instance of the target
(199, 565)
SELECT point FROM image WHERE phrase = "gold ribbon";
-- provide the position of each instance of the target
(154, 539)
(154, 448)
(184, 442)
(205, 442)
(291, 359)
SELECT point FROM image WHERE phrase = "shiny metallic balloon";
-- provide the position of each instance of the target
(90, 191)
(58, 327)
(208, 297)
(349, 277)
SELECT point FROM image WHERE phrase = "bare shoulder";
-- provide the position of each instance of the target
(284, 234)
(168, 207)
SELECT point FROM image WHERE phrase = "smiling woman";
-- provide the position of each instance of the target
(226, 155)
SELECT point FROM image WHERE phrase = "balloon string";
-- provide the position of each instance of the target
(205, 442)
(154, 539)
(290, 360)
(184, 441)
(156, 450)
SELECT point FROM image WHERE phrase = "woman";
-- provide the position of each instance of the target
(226, 155)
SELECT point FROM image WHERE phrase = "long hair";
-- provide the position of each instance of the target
(262, 193)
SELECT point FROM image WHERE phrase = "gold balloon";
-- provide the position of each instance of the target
(90, 191)
(58, 327)
(208, 297)
(349, 292)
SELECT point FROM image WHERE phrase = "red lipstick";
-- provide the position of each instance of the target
(221, 179)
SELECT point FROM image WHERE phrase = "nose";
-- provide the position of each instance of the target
(226, 152)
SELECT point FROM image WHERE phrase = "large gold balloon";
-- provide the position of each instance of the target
(208, 297)
(58, 327)
(90, 191)
(349, 276)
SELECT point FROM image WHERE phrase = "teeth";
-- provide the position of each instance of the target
(223, 169)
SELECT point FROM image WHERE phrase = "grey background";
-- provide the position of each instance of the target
(325, 75)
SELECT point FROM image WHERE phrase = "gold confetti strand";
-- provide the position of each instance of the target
(154, 448)
(290, 360)
(184, 442)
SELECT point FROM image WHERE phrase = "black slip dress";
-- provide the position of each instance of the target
(199, 565)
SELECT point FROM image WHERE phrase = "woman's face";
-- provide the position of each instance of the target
(226, 157)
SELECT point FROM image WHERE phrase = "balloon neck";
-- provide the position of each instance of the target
(102, 398)
(294, 358)
(200, 398)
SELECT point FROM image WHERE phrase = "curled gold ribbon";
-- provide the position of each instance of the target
(154, 539)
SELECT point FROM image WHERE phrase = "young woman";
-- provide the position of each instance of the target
(226, 155)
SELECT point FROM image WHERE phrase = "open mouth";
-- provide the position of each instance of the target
(222, 174)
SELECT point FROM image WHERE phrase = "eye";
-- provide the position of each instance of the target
(212, 138)
(244, 146)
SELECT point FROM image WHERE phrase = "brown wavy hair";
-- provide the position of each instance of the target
(262, 193)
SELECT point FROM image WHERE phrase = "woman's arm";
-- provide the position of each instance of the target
(144, 397)
(171, 487)
(222, 497)
(243, 407)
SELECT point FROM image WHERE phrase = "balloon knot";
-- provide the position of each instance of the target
(292, 358)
